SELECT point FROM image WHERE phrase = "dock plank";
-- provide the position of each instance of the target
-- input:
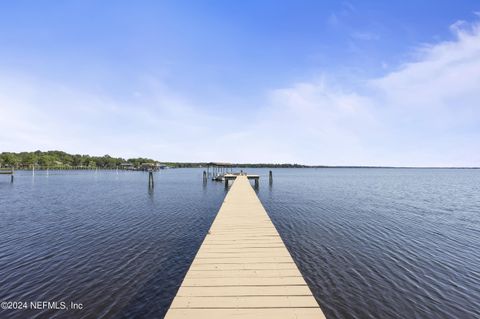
(237, 291)
(260, 313)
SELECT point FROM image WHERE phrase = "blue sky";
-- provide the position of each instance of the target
(314, 82)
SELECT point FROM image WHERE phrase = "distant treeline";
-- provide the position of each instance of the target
(237, 165)
(59, 159)
(267, 165)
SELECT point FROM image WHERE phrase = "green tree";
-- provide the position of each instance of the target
(47, 160)
(9, 159)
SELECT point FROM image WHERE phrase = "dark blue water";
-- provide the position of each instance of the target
(371, 243)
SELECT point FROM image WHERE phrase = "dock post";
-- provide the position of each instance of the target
(270, 178)
(226, 183)
(150, 180)
(256, 182)
(204, 176)
(11, 178)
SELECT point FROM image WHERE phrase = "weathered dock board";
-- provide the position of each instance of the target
(243, 269)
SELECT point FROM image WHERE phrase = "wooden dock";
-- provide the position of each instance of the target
(7, 171)
(243, 269)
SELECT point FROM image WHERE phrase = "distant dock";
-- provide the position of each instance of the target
(243, 269)
(7, 171)
(230, 177)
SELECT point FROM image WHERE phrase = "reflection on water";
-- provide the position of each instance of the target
(378, 243)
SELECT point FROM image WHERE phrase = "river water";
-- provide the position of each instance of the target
(371, 243)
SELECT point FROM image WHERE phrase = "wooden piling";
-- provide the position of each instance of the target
(270, 177)
(150, 180)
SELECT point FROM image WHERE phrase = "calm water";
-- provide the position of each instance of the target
(371, 243)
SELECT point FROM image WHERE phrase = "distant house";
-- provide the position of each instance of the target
(143, 167)
(152, 166)
(160, 166)
(148, 166)
(127, 166)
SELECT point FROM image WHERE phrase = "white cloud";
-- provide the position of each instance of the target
(425, 113)
(442, 86)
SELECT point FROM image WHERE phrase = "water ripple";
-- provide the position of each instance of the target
(374, 243)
